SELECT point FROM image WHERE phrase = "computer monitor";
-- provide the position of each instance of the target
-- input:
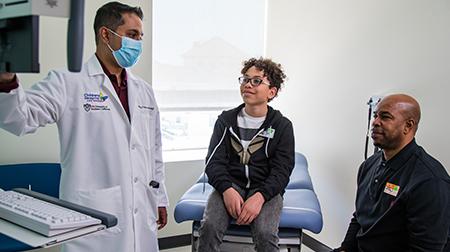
(19, 33)
(19, 44)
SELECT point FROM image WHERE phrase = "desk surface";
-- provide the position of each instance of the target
(36, 240)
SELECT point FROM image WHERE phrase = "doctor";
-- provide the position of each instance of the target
(109, 131)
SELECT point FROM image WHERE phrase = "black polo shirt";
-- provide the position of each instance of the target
(399, 203)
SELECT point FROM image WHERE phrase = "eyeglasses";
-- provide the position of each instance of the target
(253, 81)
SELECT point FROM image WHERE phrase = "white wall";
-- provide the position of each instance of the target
(339, 53)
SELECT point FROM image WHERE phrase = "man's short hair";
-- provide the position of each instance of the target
(110, 16)
(272, 70)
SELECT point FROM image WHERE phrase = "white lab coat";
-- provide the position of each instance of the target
(107, 162)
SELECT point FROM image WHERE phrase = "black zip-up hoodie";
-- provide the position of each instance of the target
(266, 164)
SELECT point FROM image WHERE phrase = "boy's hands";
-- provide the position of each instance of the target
(233, 202)
(243, 212)
(251, 208)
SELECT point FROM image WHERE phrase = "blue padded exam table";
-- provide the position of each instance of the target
(301, 210)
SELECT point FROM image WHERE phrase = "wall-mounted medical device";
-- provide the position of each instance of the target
(19, 32)
(372, 103)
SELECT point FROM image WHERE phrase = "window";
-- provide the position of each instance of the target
(198, 50)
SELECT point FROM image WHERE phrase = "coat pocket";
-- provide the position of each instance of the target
(108, 200)
(146, 128)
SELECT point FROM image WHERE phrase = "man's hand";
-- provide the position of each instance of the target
(251, 208)
(162, 217)
(233, 202)
(6, 77)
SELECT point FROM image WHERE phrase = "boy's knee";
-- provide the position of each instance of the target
(264, 233)
(265, 241)
(211, 227)
(206, 226)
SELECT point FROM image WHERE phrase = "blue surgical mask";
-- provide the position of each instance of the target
(129, 52)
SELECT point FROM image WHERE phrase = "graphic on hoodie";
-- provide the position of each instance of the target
(253, 147)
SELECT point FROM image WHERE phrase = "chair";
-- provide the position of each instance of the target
(41, 177)
(301, 210)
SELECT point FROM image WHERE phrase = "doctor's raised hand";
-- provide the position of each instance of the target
(109, 131)
(6, 78)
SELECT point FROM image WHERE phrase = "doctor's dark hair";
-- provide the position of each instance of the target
(272, 70)
(110, 16)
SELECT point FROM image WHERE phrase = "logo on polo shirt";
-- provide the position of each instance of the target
(391, 189)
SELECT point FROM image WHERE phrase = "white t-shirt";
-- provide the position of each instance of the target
(248, 126)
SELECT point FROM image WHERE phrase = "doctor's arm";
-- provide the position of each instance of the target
(163, 200)
(24, 111)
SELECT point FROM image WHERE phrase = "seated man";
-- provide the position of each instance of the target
(249, 161)
(403, 195)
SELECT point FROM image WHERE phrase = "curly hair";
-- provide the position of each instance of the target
(272, 70)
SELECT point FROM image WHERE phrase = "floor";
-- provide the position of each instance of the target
(180, 249)
(188, 249)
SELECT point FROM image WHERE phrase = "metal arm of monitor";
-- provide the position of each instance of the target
(75, 36)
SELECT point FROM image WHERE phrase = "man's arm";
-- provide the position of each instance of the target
(350, 242)
(428, 216)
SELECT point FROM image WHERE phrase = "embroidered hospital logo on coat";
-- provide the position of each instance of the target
(87, 107)
(95, 102)
(93, 97)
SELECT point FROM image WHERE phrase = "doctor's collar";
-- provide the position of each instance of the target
(111, 76)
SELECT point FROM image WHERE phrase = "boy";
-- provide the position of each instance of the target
(249, 161)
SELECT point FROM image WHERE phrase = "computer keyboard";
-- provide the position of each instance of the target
(41, 216)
